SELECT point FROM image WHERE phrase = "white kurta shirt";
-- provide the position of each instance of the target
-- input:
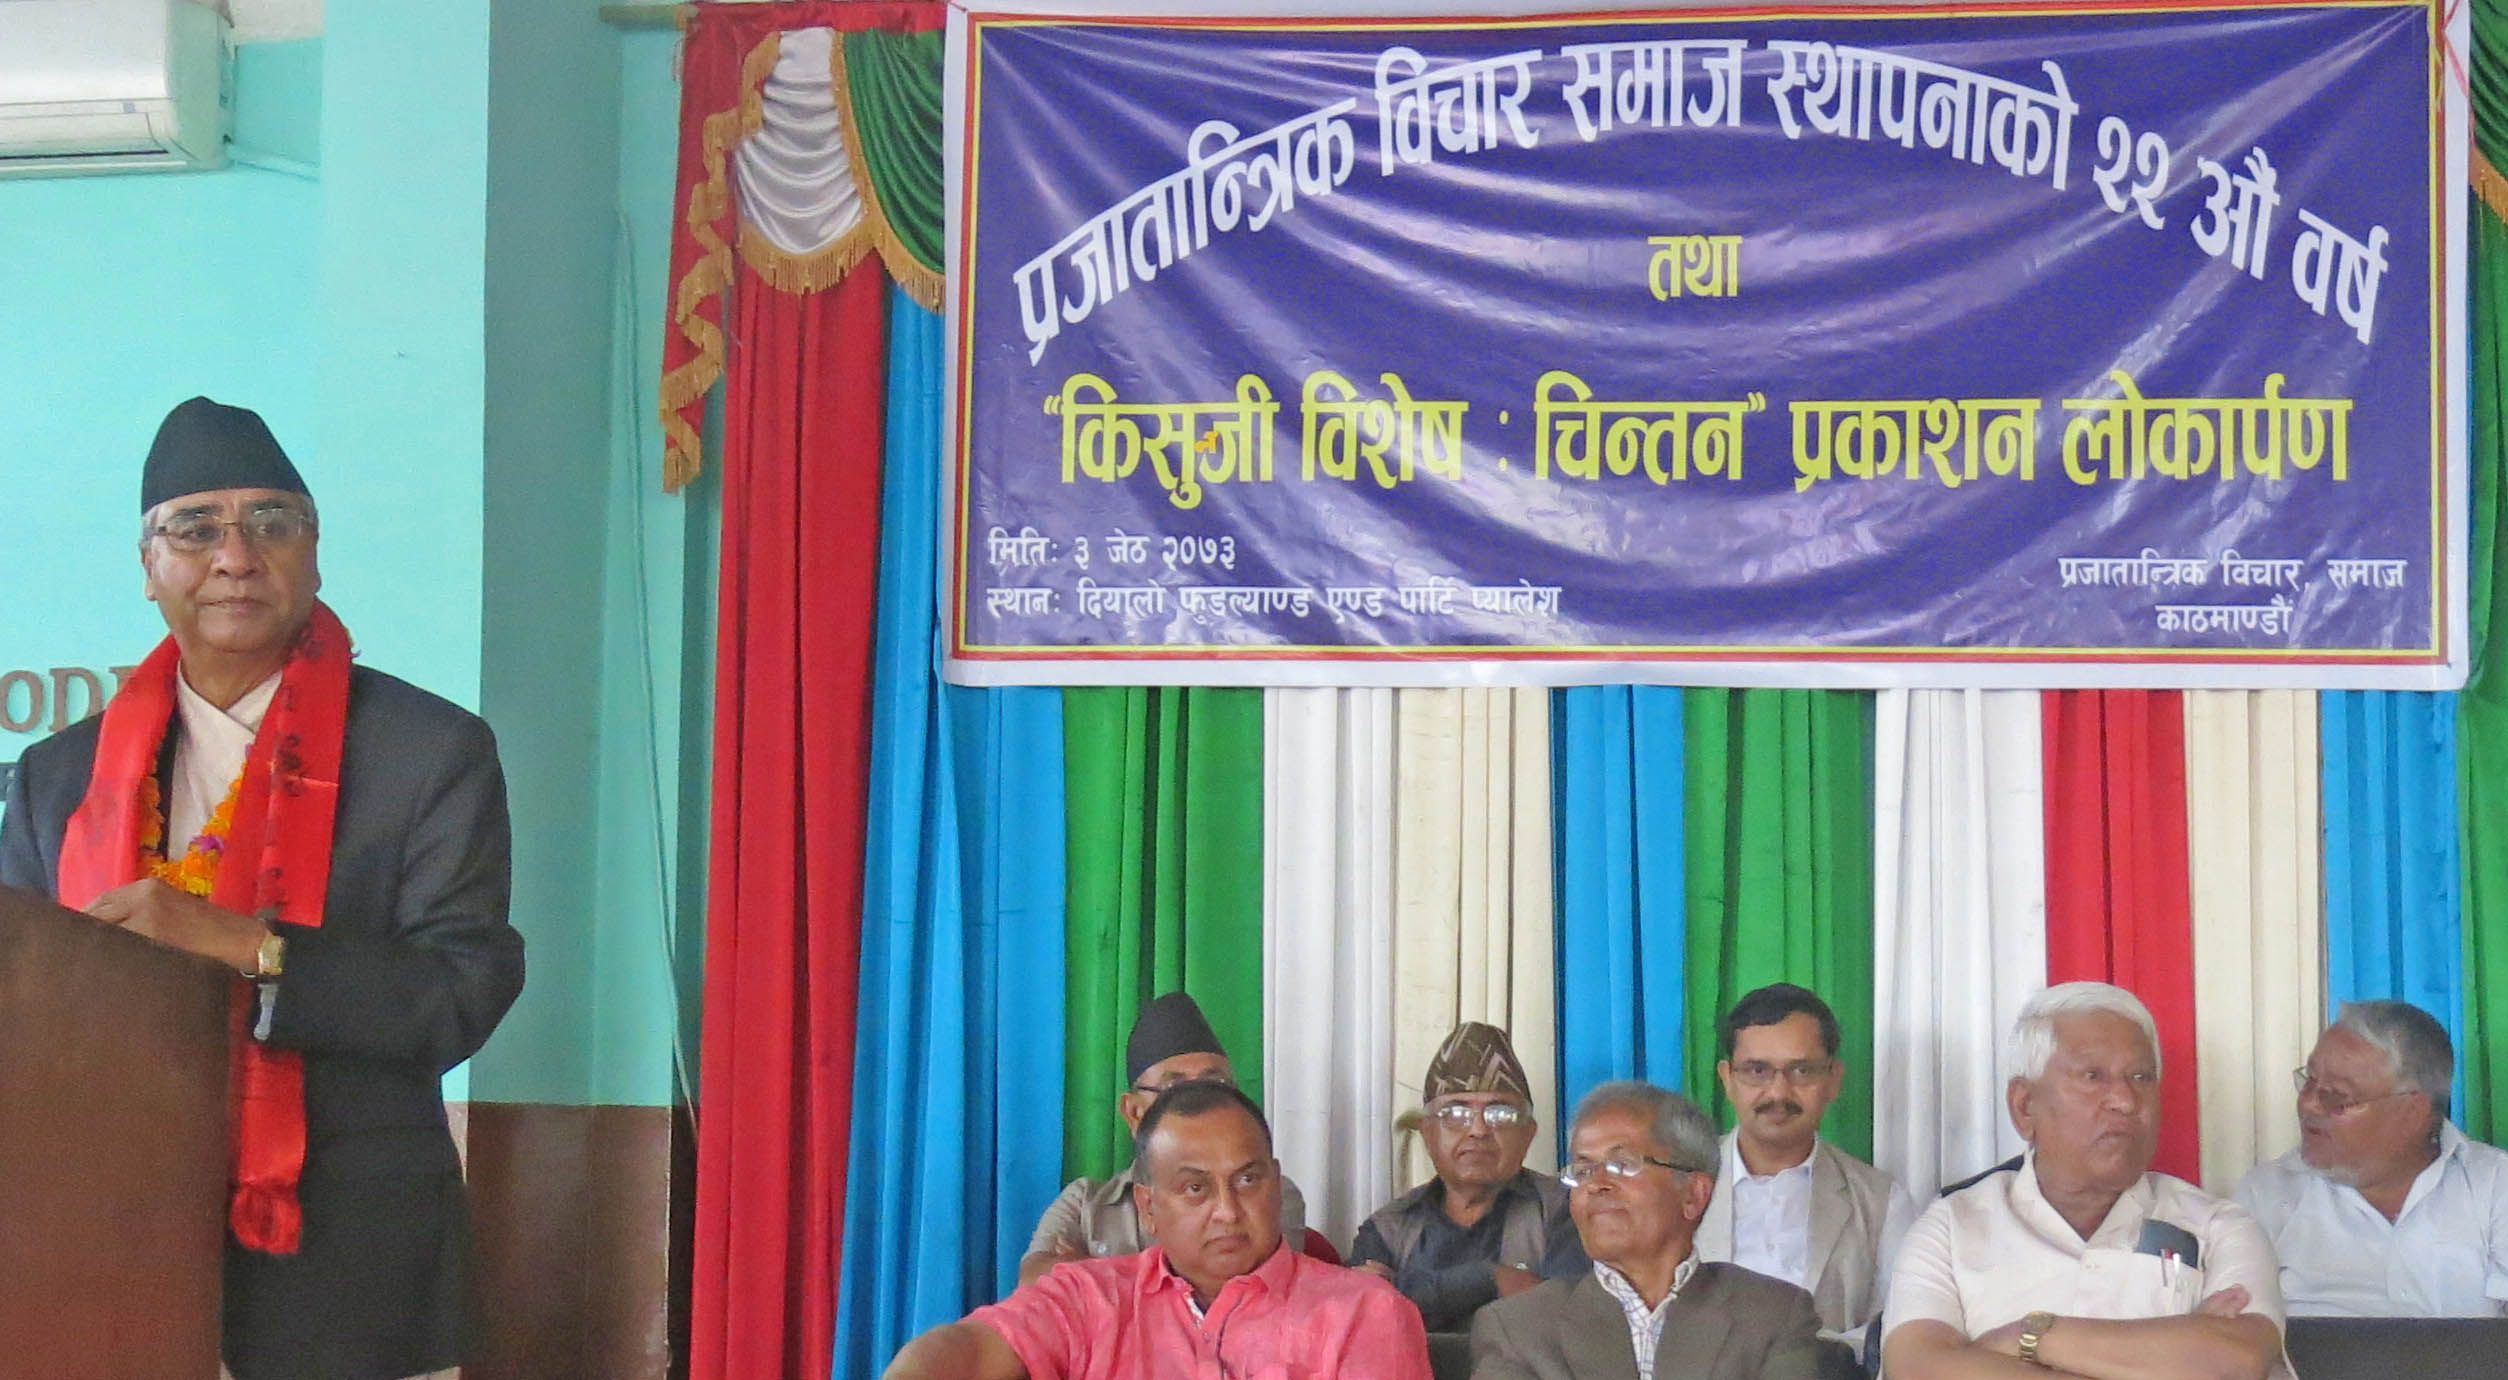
(2444, 1256)
(209, 756)
(1998, 1250)
(1771, 1218)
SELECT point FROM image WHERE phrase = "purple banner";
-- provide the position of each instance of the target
(2072, 345)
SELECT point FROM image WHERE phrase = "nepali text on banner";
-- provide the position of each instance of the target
(2059, 345)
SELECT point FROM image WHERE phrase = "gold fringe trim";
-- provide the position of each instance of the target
(683, 450)
(816, 271)
(920, 283)
(2489, 185)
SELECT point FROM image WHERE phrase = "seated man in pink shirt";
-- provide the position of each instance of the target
(1218, 1294)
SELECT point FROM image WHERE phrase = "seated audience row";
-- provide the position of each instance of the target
(2074, 1257)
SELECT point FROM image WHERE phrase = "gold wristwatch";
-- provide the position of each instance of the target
(270, 959)
(2033, 1329)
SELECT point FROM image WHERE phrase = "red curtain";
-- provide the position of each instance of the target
(803, 415)
(2118, 903)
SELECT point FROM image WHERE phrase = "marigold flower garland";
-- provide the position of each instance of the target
(196, 871)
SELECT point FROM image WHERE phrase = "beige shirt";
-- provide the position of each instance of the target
(1998, 1250)
(1095, 1217)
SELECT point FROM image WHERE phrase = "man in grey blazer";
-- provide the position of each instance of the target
(1790, 1204)
(1641, 1169)
(346, 1254)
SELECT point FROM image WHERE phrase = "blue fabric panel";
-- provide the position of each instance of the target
(958, 1063)
(1618, 793)
(2393, 908)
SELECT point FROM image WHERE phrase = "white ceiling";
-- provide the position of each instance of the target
(257, 20)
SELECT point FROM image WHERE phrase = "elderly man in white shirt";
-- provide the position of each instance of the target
(2082, 1261)
(1790, 1205)
(2385, 1209)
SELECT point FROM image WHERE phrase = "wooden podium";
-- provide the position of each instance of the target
(113, 1148)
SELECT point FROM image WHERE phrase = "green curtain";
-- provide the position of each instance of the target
(894, 81)
(1779, 839)
(2482, 710)
(2482, 714)
(1164, 799)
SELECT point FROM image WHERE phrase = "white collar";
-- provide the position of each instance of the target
(1737, 1172)
(246, 713)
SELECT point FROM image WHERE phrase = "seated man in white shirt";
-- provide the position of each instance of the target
(2385, 1209)
(2082, 1261)
(1791, 1205)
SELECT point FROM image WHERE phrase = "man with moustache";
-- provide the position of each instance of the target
(1642, 1167)
(1486, 1227)
(1217, 1293)
(2385, 1209)
(2155, 1279)
(338, 839)
(1791, 1205)
(1171, 1042)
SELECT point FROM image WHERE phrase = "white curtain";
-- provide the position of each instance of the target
(793, 178)
(1472, 889)
(1328, 948)
(2253, 846)
(1959, 923)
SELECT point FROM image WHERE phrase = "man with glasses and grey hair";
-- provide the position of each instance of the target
(1793, 1206)
(1642, 1165)
(2081, 1260)
(2385, 1209)
(1486, 1227)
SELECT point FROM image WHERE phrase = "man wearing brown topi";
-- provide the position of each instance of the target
(1486, 1227)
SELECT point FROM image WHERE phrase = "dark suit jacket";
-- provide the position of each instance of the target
(412, 966)
(1728, 1324)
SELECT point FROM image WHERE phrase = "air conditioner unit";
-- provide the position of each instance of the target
(98, 86)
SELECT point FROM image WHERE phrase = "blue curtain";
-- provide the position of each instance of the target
(957, 1112)
(2393, 914)
(1622, 920)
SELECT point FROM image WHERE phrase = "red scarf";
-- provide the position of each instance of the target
(276, 862)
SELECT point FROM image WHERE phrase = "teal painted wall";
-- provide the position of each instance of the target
(658, 654)
(401, 293)
(552, 184)
(122, 296)
(582, 640)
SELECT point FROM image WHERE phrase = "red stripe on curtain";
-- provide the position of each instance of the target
(801, 478)
(2118, 904)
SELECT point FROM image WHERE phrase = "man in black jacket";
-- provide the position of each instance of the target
(339, 838)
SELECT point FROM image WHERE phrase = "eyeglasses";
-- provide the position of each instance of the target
(1758, 1073)
(1154, 1089)
(1624, 1164)
(1497, 1116)
(2334, 1103)
(196, 534)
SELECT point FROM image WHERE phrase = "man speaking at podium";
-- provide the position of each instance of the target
(339, 839)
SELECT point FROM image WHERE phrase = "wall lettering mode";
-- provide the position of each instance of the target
(34, 703)
(52, 699)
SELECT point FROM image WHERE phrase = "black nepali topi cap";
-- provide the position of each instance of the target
(203, 445)
(1169, 1025)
